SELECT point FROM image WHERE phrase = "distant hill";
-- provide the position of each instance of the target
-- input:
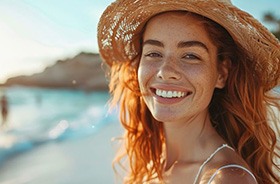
(80, 72)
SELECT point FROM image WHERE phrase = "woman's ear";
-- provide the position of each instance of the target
(223, 68)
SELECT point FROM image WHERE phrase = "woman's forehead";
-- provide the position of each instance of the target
(176, 26)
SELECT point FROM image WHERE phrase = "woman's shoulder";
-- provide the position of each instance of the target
(232, 174)
(228, 167)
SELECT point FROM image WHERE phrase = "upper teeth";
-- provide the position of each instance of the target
(169, 94)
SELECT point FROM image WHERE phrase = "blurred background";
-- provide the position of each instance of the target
(55, 126)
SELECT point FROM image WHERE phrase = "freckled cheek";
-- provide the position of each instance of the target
(202, 78)
(195, 74)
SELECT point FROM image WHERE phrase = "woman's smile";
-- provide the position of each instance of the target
(168, 94)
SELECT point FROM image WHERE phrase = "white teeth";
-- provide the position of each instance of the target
(170, 94)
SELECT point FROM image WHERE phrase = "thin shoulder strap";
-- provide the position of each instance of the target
(209, 158)
(229, 166)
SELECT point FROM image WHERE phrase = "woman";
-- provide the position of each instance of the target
(193, 80)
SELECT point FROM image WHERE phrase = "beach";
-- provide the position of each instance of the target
(57, 136)
(85, 161)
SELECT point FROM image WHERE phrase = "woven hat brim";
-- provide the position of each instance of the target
(122, 22)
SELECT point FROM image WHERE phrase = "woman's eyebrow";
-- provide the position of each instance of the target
(153, 42)
(183, 44)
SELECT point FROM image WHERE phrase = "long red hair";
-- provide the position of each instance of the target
(241, 114)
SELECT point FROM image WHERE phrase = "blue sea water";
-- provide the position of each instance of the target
(38, 116)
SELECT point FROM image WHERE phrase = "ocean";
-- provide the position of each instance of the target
(37, 116)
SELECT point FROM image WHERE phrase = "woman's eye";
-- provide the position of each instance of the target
(191, 56)
(153, 55)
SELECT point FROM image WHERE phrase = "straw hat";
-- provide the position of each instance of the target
(121, 24)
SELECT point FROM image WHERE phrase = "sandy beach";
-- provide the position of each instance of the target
(76, 161)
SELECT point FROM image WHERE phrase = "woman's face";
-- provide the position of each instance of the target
(178, 69)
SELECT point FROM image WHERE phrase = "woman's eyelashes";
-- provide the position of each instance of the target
(191, 56)
(188, 57)
(153, 55)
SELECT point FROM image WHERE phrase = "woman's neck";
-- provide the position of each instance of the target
(185, 141)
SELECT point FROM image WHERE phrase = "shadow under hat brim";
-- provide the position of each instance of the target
(121, 25)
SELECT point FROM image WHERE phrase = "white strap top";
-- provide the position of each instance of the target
(230, 166)
(223, 167)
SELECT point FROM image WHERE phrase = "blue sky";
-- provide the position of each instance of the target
(36, 33)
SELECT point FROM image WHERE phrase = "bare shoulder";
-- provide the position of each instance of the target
(232, 175)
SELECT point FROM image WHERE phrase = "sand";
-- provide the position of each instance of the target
(78, 161)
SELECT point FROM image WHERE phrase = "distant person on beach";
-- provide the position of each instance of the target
(4, 109)
(193, 80)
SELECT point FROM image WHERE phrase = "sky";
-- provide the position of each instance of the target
(36, 33)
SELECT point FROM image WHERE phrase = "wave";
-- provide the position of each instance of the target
(59, 115)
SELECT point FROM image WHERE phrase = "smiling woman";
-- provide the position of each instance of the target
(193, 80)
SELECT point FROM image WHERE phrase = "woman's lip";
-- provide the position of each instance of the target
(170, 87)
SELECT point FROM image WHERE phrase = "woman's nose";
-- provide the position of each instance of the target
(169, 71)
